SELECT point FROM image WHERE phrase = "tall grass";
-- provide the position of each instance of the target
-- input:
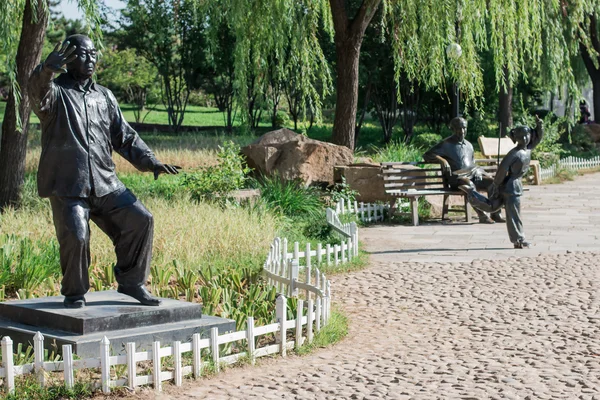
(396, 152)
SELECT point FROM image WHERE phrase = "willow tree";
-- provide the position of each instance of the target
(420, 31)
(267, 31)
(23, 26)
(580, 21)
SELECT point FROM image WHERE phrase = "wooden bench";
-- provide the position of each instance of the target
(403, 180)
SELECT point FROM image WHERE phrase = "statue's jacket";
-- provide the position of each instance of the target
(81, 126)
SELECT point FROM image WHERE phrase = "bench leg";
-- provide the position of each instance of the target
(468, 212)
(445, 207)
(414, 209)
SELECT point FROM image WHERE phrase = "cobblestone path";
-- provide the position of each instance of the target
(506, 328)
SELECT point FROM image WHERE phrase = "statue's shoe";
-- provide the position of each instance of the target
(498, 218)
(522, 245)
(74, 302)
(484, 219)
(140, 293)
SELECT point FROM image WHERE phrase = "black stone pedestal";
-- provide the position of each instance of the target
(118, 317)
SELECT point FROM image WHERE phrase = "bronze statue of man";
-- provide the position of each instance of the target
(81, 126)
(507, 188)
(456, 153)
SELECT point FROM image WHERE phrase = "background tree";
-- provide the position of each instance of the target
(167, 33)
(23, 26)
(130, 76)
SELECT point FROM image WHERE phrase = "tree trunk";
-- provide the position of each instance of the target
(346, 103)
(349, 33)
(505, 116)
(13, 145)
(593, 72)
(596, 98)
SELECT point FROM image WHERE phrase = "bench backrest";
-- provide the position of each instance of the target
(400, 176)
(489, 146)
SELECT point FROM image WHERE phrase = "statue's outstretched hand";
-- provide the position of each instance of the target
(165, 169)
(59, 57)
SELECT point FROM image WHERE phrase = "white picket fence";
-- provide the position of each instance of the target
(366, 212)
(570, 163)
(315, 318)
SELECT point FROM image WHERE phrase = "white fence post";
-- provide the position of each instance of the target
(343, 249)
(9, 363)
(38, 351)
(105, 364)
(284, 249)
(300, 306)
(336, 250)
(307, 256)
(319, 254)
(328, 254)
(250, 340)
(156, 361)
(294, 271)
(310, 315)
(177, 359)
(67, 352)
(214, 347)
(307, 279)
(197, 354)
(131, 364)
(318, 313)
(350, 249)
(281, 313)
(354, 235)
(297, 251)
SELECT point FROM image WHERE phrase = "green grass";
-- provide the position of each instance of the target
(335, 330)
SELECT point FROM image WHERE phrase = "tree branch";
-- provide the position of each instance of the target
(339, 15)
(594, 33)
(363, 17)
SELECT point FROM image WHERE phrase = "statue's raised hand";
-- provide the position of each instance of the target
(60, 56)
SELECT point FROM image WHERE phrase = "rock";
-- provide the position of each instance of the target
(293, 156)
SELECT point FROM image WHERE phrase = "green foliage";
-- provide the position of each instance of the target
(335, 330)
(130, 75)
(28, 388)
(343, 191)
(396, 152)
(215, 183)
(425, 141)
(169, 34)
(290, 198)
(27, 267)
(236, 293)
(144, 186)
(580, 143)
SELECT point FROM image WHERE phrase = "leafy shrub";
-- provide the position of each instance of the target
(579, 143)
(281, 119)
(425, 141)
(215, 183)
(28, 267)
(550, 149)
(343, 191)
(396, 152)
(290, 198)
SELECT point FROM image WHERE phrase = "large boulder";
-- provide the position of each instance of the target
(292, 156)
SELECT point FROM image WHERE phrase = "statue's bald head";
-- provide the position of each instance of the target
(83, 66)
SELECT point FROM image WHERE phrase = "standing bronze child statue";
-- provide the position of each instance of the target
(455, 153)
(81, 126)
(507, 188)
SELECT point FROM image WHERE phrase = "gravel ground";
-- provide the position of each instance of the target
(524, 328)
